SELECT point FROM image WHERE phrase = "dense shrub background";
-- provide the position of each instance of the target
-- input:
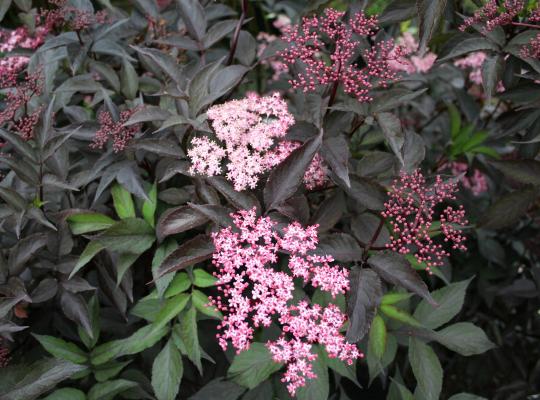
(105, 251)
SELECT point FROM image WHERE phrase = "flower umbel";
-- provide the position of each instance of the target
(255, 293)
(310, 44)
(114, 130)
(248, 128)
(411, 211)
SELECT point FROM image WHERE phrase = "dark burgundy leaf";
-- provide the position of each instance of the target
(193, 251)
(179, 219)
(285, 179)
(395, 269)
(362, 301)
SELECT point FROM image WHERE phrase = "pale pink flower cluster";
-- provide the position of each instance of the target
(255, 293)
(411, 210)
(473, 62)
(492, 15)
(330, 34)
(476, 183)
(206, 157)
(248, 129)
(412, 63)
(315, 175)
(114, 130)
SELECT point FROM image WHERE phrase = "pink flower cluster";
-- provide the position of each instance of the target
(18, 98)
(71, 17)
(248, 129)
(411, 210)
(491, 15)
(307, 45)
(114, 130)
(4, 355)
(254, 293)
(476, 183)
(532, 49)
(314, 177)
(12, 65)
(412, 63)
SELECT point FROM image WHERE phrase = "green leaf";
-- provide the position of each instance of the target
(179, 284)
(123, 202)
(395, 297)
(377, 337)
(450, 299)
(62, 349)
(429, 13)
(187, 330)
(399, 315)
(142, 339)
(466, 396)
(253, 366)
(132, 235)
(203, 279)
(89, 222)
(455, 121)
(108, 390)
(159, 255)
(427, 370)
(286, 178)
(172, 307)
(147, 308)
(167, 371)
(150, 205)
(41, 377)
(91, 249)
(394, 268)
(202, 304)
(319, 387)
(66, 394)
(464, 338)
(109, 370)
(377, 366)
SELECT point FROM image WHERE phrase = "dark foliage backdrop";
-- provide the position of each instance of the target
(266, 199)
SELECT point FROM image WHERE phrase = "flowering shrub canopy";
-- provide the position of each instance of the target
(269, 199)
